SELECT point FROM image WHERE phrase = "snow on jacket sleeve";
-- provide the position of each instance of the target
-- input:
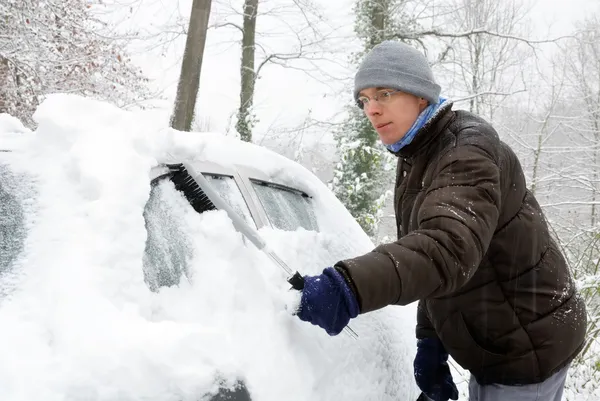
(456, 218)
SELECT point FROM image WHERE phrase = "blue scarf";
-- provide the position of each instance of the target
(423, 118)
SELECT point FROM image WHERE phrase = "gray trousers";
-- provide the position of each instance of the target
(549, 390)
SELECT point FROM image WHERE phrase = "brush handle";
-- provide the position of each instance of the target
(238, 222)
(295, 279)
(215, 198)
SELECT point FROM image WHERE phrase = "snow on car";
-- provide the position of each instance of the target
(112, 287)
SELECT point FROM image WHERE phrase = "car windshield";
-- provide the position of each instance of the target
(167, 246)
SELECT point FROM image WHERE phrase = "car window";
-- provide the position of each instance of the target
(228, 190)
(287, 209)
(167, 245)
(12, 219)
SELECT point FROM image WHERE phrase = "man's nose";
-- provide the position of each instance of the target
(373, 108)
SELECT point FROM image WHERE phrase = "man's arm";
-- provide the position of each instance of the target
(456, 222)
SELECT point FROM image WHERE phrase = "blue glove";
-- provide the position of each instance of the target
(432, 372)
(328, 301)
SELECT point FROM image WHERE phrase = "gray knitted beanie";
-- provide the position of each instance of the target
(396, 65)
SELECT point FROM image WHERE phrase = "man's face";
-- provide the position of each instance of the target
(393, 113)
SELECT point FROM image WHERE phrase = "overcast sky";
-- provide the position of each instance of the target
(283, 96)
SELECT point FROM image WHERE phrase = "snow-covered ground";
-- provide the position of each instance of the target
(80, 323)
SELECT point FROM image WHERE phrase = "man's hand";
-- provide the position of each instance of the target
(432, 372)
(328, 301)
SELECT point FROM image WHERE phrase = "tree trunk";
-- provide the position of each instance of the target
(4, 84)
(378, 21)
(537, 153)
(595, 167)
(248, 75)
(191, 66)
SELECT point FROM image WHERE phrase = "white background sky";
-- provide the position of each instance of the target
(283, 96)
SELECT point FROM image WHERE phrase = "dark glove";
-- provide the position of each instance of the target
(328, 301)
(432, 372)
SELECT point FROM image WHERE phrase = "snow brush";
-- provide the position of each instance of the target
(200, 194)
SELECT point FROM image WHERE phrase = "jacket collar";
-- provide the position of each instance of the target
(429, 131)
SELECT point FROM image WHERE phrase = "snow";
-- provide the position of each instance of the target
(12, 124)
(80, 323)
(13, 132)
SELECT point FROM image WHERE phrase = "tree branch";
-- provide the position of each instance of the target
(224, 24)
(487, 93)
(476, 31)
(571, 203)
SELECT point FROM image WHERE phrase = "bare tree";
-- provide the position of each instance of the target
(583, 61)
(559, 140)
(191, 66)
(61, 47)
(294, 41)
(485, 68)
(248, 75)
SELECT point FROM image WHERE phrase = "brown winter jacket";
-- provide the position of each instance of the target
(475, 249)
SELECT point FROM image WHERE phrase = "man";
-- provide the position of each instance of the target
(473, 248)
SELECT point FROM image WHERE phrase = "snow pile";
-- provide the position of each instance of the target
(12, 133)
(80, 323)
(10, 124)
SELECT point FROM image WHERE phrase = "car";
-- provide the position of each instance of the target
(113, 287)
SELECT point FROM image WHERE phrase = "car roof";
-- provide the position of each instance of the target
(220, 154)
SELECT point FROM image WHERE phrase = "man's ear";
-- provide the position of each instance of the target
(423, 103)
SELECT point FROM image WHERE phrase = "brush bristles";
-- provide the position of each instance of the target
(185, 183)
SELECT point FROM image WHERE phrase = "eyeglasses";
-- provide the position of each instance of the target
(381, 96)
